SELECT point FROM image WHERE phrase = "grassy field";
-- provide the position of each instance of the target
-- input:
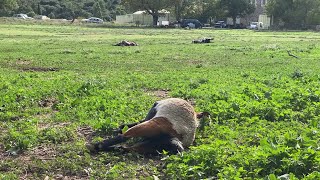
(63, 86)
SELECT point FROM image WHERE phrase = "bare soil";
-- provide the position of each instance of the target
(48, 102)
(39, 69)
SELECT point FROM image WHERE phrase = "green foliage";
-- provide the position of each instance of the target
(278, 153)
(236, 8)
(59, 84)
(8, 176)
(202, 10)
(97, 9)
(295, 14)
(20, 136)
(62, 9)
(7, 5)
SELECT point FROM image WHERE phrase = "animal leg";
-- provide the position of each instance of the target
(152, 112)
(106, 145)
(175, 145)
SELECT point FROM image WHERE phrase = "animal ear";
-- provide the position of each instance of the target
(154, 127)
(203, 114)
(203, 121)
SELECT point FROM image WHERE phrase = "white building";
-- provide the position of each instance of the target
(259, 14)
(143, 18)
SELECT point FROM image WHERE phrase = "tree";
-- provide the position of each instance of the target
(295, 13)
(236, 8)
(105, 9)
(39, 9)
(152, 7)
(7, 5)
(211, 9)
(67, 9)
(26, 6)
(314, 15)
(204, 10)
(73, 8)
(97, 9)
(194, 9)
(179, 7)
(112, 8)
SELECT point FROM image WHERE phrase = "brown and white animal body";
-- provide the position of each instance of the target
(170, 125)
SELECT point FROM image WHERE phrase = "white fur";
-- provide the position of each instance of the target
(181, 115)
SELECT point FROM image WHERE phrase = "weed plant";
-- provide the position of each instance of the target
(59, 84)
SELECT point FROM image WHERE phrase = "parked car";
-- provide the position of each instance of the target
(254, 25)
(21, 16)
(220, 24)
(93, 20)
(192, 23)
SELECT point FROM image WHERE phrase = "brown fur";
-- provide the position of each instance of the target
(182, 116)
(170, 124)
(151, 128)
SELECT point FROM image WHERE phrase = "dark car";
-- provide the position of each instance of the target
(191, 22)
(220, 24)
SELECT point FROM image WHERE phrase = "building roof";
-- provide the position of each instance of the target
(163, 11)
(139, 12)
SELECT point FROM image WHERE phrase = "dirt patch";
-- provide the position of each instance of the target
(162, 93)
(2, 152)
(48, 102)
(87, 132)
(43, 152)
(61, 177)
(42, 126)
(23, 61)
(194, 62)
(45, 115)
(39, 69)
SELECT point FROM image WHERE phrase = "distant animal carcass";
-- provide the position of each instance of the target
(126, 43)
(204, 40)
(170, 125)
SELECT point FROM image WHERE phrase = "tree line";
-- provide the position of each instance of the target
(294, 13)
(63, 9)
(285, 13)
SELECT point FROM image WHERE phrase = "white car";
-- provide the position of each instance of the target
(256, 25)
(22, 16)
(93, 20)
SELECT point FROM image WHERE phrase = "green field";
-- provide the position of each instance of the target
(63, 86)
